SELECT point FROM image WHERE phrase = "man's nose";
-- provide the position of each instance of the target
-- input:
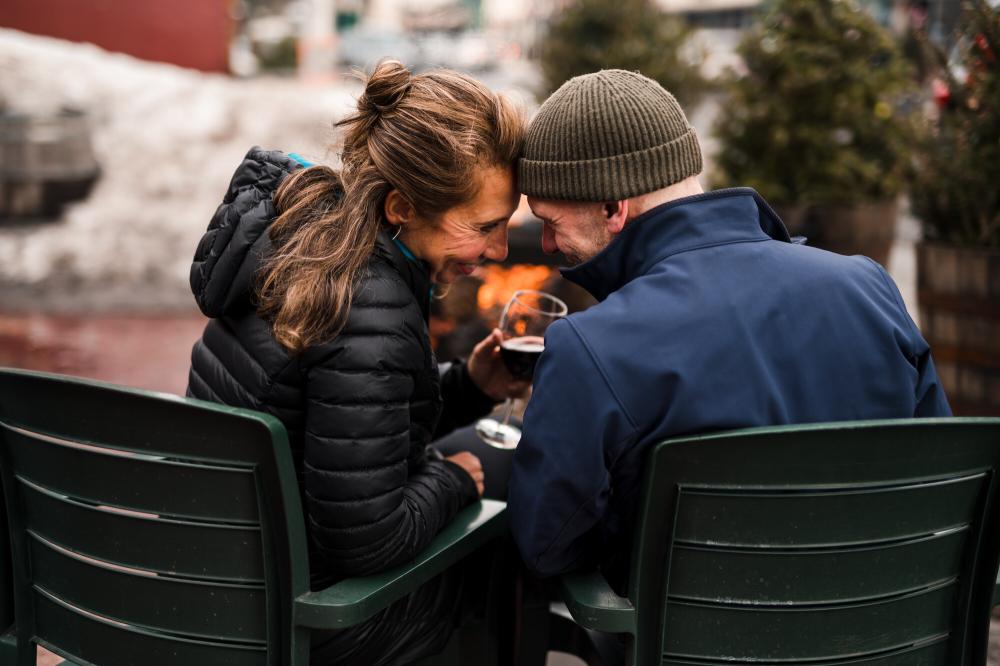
(548, 240)
(497, 248)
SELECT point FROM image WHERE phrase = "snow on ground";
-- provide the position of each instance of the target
(167, 140)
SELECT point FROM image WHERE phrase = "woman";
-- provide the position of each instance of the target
(318, 284)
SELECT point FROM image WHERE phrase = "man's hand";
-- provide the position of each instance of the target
(472, 466)
(489, 373)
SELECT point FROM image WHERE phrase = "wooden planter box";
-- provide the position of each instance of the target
(959, 294)
(45, 163)
(864, 228)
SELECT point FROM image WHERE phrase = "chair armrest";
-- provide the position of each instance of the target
(8, 647)
(354, 600)
(594, 605)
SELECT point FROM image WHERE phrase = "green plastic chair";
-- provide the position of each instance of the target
(147, 528)
(7, 646)
(870, 543)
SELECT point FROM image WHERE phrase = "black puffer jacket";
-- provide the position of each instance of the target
(360, 410)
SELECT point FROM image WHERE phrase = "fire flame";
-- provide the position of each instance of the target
(500, 283)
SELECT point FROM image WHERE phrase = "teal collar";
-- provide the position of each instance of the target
(414, 271)
(408, 253)
(405, 250)
(301, 160)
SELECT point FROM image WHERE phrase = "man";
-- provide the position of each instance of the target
(709, 318)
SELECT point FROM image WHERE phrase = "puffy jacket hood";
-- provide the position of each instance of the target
(235, 243)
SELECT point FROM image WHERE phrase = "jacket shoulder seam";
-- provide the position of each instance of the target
(604, 375)
(893, 290)
(716, 244)
(897, 298)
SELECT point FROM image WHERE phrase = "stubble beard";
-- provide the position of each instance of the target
(597, 238)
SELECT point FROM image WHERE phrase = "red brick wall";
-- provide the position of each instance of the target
(189, 33)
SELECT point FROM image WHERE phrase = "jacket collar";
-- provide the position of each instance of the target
(413, 271)
(713, 218)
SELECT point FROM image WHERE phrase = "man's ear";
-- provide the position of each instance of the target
(398, 211)
(615, 215)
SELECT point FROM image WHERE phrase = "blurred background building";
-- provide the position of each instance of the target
(247, 36)
(188, 33)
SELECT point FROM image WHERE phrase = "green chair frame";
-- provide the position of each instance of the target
(148, 528)
(866, 543)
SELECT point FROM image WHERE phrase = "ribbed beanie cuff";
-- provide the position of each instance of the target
(613, 178)
(607, 136)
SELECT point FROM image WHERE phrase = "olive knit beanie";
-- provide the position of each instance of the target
(607, 136)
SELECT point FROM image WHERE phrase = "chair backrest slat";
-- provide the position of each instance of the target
(70, 631)
(828, 516)
(788, 577)
(932, 653)
(148, 528)
(209, 609)
(135, 481)
(824, 632)
(867, 543)
(185, 547)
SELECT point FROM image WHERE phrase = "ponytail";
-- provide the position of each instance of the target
(421, 135)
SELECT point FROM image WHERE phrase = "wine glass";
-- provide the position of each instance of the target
(523, 322)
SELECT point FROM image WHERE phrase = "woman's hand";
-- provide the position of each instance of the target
(472, 466)
(488, 372)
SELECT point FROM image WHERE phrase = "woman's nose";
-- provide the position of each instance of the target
(497, 248)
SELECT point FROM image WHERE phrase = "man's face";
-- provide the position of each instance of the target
(577, 229)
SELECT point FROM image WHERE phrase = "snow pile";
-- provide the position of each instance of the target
(167, 140)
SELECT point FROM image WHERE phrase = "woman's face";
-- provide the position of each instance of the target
(463, 237)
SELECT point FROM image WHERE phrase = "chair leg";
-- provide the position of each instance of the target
(484, 635)
(567, 636)
(530, 632)
(548, 627)
(8, 649)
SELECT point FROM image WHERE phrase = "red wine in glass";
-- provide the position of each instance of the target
(523, 324)
(521, 354)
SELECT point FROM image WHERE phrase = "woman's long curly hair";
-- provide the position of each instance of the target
(424, 135)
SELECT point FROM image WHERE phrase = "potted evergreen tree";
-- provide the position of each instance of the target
(814, 123)
(636, 35)
(956, 195)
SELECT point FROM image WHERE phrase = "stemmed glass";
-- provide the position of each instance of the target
(523, 322)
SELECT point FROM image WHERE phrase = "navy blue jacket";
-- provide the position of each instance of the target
(709, 318)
